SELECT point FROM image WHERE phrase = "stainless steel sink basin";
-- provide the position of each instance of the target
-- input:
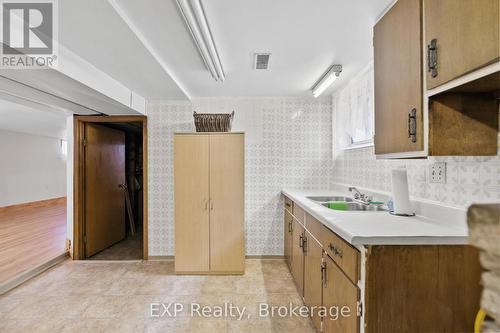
(332, 198)
(359, 207)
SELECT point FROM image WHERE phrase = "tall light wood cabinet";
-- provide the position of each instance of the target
(209, 203)
(460, 36)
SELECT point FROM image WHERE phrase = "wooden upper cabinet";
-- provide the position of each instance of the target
(466, 34)
(398, 79)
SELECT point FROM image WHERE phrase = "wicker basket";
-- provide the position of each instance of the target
(213, 122)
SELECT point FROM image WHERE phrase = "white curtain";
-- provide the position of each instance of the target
(353, 110)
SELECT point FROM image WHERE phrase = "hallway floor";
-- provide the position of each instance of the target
(128, 249)
(99, 296)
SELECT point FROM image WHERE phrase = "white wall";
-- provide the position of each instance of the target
(288, 144)
(31, 168)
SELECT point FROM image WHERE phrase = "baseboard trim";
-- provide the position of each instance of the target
(31, 273)
(159, 258)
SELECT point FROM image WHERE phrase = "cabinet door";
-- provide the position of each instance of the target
(288, 225)
(398, 79)
(191, 193)
(227, 211)
(466, 33)
(312, 277)
(339, 293)
(298, 256)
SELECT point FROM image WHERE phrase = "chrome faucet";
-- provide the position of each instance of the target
(360, 196)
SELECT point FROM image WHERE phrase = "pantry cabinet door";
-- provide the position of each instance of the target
(191, 194)
(339, 296)
(398, 79)
(466, 35)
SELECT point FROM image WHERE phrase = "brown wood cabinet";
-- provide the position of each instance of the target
(461, 36)
(288, 227)
(209, 203)
(342, 295)
(407, 288)
(397, 41)
(298, 256)
(313, 257)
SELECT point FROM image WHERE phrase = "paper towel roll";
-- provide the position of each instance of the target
(400, 193)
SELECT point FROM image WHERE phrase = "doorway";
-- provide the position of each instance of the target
(110, 188)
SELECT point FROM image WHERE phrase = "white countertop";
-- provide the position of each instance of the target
(382, 228)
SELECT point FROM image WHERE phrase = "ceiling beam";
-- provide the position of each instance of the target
(147, 44)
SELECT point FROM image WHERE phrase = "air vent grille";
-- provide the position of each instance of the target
(262, 60)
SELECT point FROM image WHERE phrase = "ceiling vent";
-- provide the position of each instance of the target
(261, 60)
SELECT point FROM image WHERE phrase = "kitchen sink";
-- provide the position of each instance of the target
(331, 198)
(355, 207)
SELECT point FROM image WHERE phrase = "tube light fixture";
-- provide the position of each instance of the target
(194, 15)
(326, 80)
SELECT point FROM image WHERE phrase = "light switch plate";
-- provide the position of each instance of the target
(437, 172)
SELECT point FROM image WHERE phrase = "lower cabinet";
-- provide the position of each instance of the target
(341, 298)
(313, 257)
(406, 288)
(287, 227)
(297, 268)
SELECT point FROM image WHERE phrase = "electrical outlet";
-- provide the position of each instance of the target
(437, 173)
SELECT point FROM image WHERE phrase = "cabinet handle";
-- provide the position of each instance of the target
(304, 245)
(412, 125)
(289, 226)
(301, 241)
(336, 251)
(432, 58)
(288, 204)
(323, 273)
(211, 204)
(206, 204)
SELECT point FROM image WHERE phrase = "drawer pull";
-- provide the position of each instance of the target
(336, 251)
(288, 204)
(301, 241)
(323, 273)
(432, 58)
(290, 226)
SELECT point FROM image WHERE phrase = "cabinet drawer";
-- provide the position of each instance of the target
(289, 204)
(315, 228)
(299, 213)
(344, 254)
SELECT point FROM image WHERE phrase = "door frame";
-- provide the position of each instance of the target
(79, 178)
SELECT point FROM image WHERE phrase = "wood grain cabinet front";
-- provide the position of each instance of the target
(209, 203)
(460, 36)
(288, 230)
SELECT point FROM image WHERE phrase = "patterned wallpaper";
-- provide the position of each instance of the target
(469, 179)
(288, 144)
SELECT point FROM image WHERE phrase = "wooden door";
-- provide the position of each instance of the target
(104, 195)
(312, 277)
(298, 256)
(339, 292)
(398, 79)
(227, 210)
(466, 33)
(288, 225)
(191, 194)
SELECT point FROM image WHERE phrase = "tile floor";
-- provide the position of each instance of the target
(128, 249)
(100, 296)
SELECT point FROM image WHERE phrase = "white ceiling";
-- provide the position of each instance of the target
(33, 119)
(144, 44)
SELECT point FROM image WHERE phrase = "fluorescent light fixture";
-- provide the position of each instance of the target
(194, 15)
(326, 80)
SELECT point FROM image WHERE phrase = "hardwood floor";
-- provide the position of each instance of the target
(31, 234)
